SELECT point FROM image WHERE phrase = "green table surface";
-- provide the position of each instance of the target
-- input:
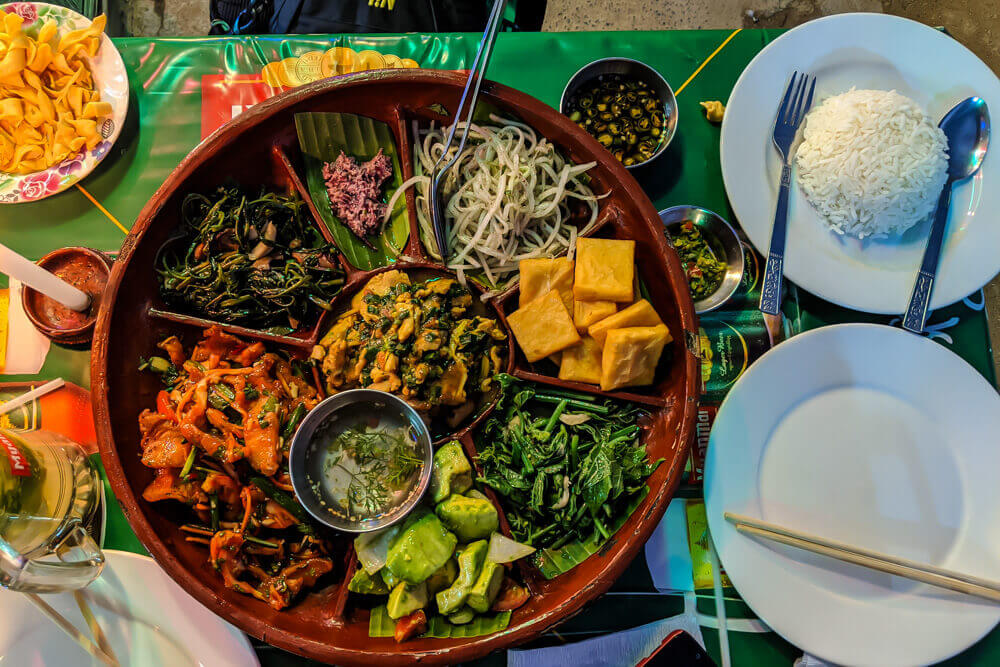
(164, 124)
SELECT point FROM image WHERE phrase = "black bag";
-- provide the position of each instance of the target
(241, 17)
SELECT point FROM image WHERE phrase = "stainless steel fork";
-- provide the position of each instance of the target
(472, 85)
(794, 106)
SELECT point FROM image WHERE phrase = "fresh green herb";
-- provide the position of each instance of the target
(561, 482)
(213, 504)
(252, 259)
(372, 462)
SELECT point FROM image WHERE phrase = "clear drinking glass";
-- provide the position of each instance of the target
(48, 491)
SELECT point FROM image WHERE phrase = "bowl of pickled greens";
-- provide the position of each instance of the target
(710, 251)
(626, 105)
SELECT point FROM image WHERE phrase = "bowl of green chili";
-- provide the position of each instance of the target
(710, 251)
(626, 105)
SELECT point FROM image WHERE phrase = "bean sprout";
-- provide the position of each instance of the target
(508, 197)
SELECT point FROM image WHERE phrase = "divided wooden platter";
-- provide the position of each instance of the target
(260, 148)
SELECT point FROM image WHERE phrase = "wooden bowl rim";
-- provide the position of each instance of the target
(472, 647)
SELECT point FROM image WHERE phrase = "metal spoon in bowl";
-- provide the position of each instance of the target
(967, 127)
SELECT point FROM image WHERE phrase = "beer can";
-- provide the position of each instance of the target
(729, 341)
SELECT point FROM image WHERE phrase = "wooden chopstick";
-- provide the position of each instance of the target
(96, 631)
(71, 630)
(902, 567)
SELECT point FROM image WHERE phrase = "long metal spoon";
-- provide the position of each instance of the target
(967, 127)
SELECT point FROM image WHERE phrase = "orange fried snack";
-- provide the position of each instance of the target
(49, 107)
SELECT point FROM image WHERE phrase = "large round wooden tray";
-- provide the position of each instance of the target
(260, 147)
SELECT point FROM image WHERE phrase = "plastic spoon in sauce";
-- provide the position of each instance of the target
(37, 278)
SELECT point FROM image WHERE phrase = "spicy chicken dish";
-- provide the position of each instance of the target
(218, 440)
(417, 340)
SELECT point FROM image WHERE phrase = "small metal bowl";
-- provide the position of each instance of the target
(637, 70)
(302, 456)
(723, 240)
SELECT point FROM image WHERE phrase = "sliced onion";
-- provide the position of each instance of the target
(373, 548)
(505, 550)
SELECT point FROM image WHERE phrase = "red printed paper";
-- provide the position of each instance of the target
(225, 97)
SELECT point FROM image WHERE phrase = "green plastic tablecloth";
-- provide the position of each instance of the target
(164, 124)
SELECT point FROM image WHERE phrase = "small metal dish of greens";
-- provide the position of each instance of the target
(710, 251)
(249, 257)
(626, 105)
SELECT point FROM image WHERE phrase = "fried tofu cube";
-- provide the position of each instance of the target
(630, 356)
(543, 327)
(582, 362)
(604, 270)
(538, 276)
(639, 314)
(586, 313)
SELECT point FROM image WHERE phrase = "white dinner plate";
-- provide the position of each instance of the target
(872, 436)
(148, 619)
(863, 51)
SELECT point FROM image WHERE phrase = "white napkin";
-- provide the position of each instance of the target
(667, 554)
(26, 348)
(620, 648)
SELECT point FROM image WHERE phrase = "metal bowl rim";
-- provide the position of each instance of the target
(669, 103)
(717, 298)
(315, 417)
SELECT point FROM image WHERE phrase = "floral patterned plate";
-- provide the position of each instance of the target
(111, 80)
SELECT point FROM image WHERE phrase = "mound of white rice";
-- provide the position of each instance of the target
(871, 162)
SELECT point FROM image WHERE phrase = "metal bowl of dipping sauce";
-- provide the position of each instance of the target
(345, 452)
(624, 69)
(722, 240)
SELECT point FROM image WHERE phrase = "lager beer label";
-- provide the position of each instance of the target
(19, 465)
(729, 343)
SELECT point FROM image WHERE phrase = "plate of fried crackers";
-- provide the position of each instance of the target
(63, 98)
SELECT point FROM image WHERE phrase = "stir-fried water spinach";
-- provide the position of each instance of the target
(566, 465)
(249, 257)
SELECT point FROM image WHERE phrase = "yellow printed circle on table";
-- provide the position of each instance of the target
(409, 63)
(270, 74)
(371, 60)
(286, 73)
(308, 66)
(395, 62)
(339, 60)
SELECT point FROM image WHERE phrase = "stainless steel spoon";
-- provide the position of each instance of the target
(967, 127)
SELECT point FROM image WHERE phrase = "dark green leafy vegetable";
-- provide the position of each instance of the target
(251, 258)
(561, 482)
(704, 272)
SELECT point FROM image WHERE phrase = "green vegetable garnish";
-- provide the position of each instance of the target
(704, 272)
